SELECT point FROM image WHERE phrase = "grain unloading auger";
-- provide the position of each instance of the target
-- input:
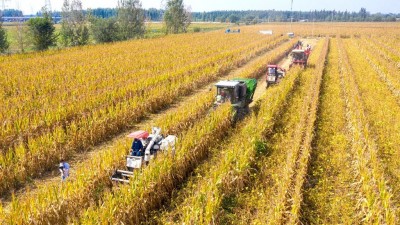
(152, 143)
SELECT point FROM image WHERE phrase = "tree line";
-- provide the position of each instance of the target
(256, 16)
(78, 26)
(251, 16)
(127, 21)
(11, 13)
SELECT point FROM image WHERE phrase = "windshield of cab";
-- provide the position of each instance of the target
(225, 95)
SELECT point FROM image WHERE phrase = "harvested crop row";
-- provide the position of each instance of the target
(385, 49)
(330, 196)
(381, 112)
(375, 202)
(391, 47)
(387, 71)
(43, 152)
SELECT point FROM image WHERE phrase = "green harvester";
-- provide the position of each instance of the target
(238, 91)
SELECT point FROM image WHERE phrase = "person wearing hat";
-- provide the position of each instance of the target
(64, 170)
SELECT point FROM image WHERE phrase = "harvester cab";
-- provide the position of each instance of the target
(239, 92)
(299, 57)
(274, 74)
(152, 143)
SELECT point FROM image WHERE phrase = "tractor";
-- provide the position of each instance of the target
(239, 92)
(152, 143)
(299, 57)
(274, 75)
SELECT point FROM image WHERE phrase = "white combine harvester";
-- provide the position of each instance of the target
(152, 143)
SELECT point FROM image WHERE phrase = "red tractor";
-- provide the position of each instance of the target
(274, 74)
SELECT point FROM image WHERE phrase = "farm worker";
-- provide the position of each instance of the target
(272, 71)
(137, 147)
(64, 170)
(219, 98)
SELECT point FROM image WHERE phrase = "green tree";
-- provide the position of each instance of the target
(41, 30)
(130, 18)
(363, 14)
(233, 18)
(3, 37)
(177, 19)
(74, 31)
(22, 36)
(104, 30)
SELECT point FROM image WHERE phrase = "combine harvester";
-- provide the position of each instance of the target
(300, 56)
(239, 92)
(153, 143)
(274, 75)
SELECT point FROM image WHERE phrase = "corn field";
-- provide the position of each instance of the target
(320, 147)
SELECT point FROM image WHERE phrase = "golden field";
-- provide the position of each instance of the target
(322, 147)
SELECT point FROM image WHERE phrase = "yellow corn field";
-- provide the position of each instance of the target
(319, 147)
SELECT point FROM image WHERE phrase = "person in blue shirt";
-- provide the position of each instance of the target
(137, 147)
(64, 169)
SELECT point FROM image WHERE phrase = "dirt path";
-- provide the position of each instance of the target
(81, 159)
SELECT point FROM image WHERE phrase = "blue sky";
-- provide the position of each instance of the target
(384, 6)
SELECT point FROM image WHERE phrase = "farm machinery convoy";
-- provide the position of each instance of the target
(239, 92)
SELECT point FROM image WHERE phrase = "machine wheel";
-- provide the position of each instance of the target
(266, 86)
(241, 113)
